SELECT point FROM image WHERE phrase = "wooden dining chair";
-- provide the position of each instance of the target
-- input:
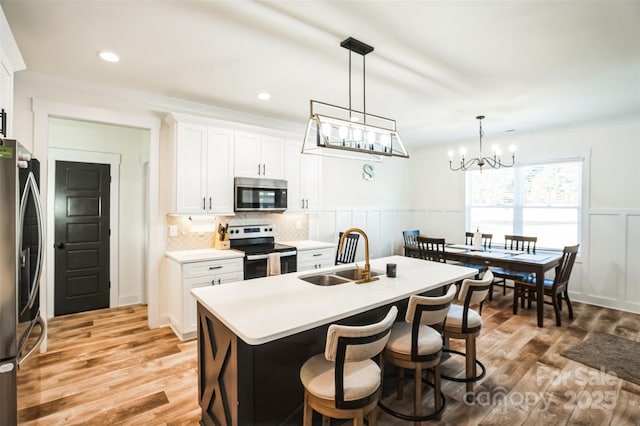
(520, 243)
(432, 249)
(557, 288)
(516, 243)
(411, 243)
(349, 249)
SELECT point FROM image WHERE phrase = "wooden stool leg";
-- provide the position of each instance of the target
(417, 402)
(308, 411)
(471, 360)
(326, 421)
(373, 417)
(358, 420)
(437, 401)
(400, 382)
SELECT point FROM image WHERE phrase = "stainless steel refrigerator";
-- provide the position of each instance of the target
(22, 329)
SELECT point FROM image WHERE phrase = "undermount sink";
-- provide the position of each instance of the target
(352, 274)
(324, 279)
(330, 278)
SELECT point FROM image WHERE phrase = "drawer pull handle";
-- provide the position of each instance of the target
(317, 254)
(215, 267)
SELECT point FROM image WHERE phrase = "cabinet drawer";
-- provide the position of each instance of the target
(212, 267)
(316, 255)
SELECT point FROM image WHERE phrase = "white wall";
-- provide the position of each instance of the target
(607, 273)
(131, 144)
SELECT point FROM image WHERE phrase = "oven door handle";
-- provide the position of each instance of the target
(264, 256)
(257, 257)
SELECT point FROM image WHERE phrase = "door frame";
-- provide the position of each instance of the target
(156, 231)
(62, 154)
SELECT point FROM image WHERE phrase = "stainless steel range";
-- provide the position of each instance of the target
(258, 242)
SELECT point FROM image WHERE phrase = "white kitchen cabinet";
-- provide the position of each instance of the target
(186, 276)
(303, 179)
(10, 62)
(202, 158)
(258, 156)
(316, 258)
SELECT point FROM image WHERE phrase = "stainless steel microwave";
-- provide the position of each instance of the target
(268, 195)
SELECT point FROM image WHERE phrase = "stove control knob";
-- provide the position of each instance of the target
(270, 229)
(265, 229)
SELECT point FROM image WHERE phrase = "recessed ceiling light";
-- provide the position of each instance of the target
(264, 96)
(109, 56)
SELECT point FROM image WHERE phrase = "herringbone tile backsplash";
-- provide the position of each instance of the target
(199, 231)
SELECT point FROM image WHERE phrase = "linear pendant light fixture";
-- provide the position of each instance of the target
(493, 161)
(347, 133)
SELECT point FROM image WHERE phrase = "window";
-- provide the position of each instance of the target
(542, 200)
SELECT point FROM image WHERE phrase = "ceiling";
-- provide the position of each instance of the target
(526, 65)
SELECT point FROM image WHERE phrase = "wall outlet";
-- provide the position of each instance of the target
(173, 230)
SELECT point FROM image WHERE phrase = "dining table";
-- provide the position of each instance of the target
(536, 263)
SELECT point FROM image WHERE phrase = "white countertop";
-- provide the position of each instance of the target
(200, 255)
(266, 309)
(308, 244)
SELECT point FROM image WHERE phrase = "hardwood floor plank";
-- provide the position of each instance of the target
(107, 367)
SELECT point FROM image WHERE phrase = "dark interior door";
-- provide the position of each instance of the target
(81, 237)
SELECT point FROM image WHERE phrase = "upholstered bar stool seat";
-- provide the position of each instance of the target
(361, 379)
(415, 345)
(429, 340)
(344, 382)
(454, 319)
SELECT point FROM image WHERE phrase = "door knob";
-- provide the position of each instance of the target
(60, 245)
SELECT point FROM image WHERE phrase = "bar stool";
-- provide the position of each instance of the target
(414, 344)
(344, 382)
(464, 323)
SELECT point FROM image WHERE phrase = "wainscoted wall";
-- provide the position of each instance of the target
(384, 227)
(198, 232)
(612, 260)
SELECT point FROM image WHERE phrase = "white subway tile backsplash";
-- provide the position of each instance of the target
(197, 232)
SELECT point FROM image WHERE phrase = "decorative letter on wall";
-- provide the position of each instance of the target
(367, 172)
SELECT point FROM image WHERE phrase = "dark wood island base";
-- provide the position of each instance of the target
(241, 384)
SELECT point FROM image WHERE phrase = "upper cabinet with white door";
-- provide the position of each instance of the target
(259, 156)
(303, 178)
(10, 62)
(201, 159)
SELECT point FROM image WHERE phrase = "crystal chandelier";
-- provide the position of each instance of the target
(493, 161)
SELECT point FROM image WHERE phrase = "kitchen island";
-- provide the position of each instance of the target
(254, 335)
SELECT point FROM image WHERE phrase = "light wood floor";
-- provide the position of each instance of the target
(106, 367)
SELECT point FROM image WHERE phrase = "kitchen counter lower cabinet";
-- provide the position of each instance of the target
(241, 384)
(316, 258)
(186, 276)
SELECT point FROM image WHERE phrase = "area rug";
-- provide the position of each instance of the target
(612, 354)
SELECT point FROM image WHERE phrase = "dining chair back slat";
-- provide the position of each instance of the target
(520, 243)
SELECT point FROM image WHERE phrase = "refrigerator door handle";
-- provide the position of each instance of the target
(43, 332)
(32, 187)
